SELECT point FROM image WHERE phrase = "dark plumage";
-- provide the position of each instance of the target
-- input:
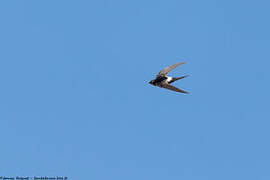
(164, 81)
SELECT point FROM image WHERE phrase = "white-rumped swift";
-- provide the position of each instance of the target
(164, 81)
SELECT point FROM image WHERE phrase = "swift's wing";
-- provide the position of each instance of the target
(170, 87)
(166, 70)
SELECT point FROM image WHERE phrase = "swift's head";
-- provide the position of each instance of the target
(152, 82)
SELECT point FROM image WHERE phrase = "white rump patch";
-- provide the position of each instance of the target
(169, 79)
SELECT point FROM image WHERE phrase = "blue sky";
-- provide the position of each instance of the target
(75, 101)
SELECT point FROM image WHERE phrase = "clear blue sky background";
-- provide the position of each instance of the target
(74, 97)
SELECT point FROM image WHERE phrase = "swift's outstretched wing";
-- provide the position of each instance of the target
(166, 70)
(170, 87)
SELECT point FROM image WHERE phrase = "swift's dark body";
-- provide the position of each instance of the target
(158, 80)
(164, 81)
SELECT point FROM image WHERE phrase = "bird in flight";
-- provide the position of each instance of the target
(164, 81)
